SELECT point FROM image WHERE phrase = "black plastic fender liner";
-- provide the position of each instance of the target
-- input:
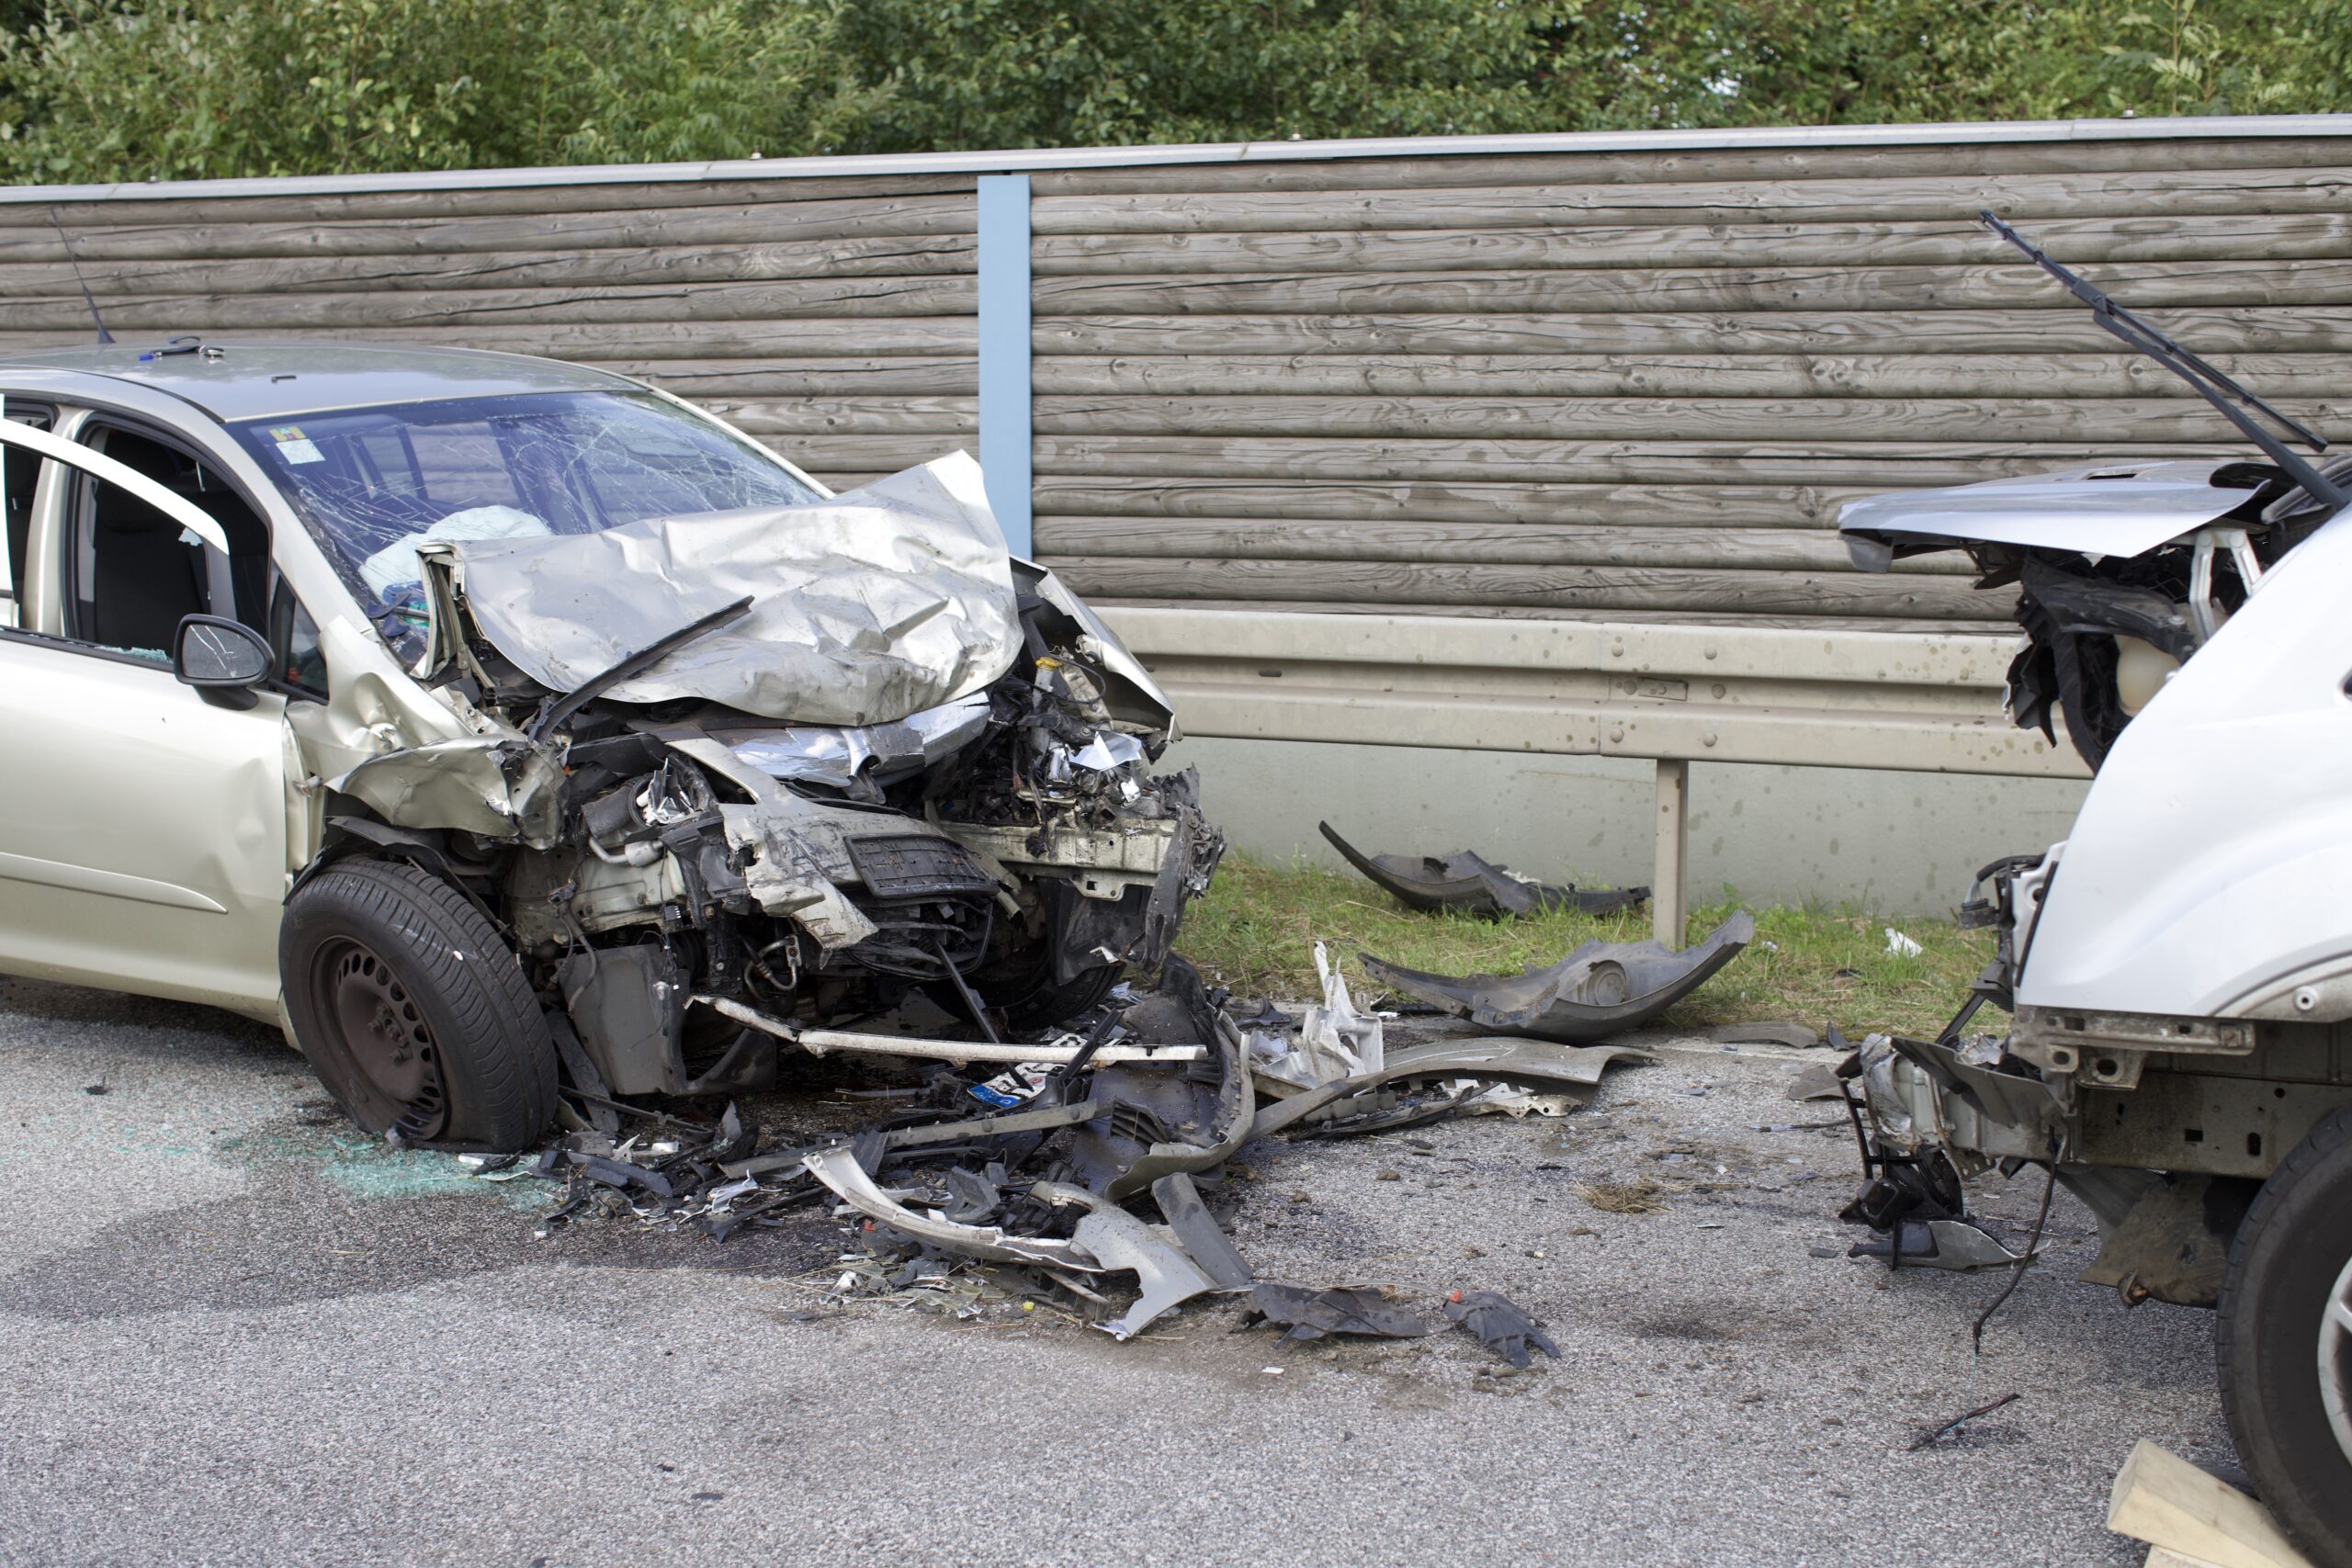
(1472, 885)
(1236, 1097)
(1602, 989)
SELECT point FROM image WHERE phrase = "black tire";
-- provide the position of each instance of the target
(412, 1011)
(2283, 1269)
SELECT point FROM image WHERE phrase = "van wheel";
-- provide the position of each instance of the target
(2284, 1340)
(412, 1011)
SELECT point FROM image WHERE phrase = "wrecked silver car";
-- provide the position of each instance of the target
(481, 718)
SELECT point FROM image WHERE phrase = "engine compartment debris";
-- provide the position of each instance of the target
(1086, 1178)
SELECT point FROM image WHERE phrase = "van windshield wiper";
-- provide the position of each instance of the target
(2225, 394)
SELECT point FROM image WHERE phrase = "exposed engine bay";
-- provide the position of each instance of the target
(2108, 612)
(698, 857)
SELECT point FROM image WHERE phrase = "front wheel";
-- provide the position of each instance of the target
(412, 1010)
(2284, 1340)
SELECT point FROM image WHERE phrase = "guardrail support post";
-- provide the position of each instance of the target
(1672, 871)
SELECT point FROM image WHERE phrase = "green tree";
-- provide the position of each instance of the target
(137, 89)
(202, 88)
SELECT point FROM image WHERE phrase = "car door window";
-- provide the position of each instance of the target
(133, 574)
(20, 475)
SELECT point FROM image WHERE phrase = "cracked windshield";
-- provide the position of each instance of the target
(376, 482)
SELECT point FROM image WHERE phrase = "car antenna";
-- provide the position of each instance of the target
(2225, 394)
(67, 240)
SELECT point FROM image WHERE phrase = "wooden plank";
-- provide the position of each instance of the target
(1708, 165)
(1695, 375)
(1957, 240)
(683, 339)
(1901, 465)
(2290, 329)
(897, 257)
(1826, 624)
(1665, 506)
(958, 376)
(2167, 192)
(946, 417)
(1488, 544)
(541, 199)
(222, 233)
(718, 302)
(1663, 419)
(2163, 1499)
(1583, 587)
(2023, 288)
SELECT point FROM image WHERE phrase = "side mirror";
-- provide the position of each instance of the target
(222, 659)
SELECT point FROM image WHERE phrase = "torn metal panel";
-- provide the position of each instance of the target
(838, 1169)
(1505, 1060)
(1306, 1312)
(1470, 884)
(1602, 989)
(499, 787)
(1196, 1230)
(866, 608)
(1119, 1241)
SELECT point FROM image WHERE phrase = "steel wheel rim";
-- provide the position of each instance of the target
(382, 1033)
(2335, 1359)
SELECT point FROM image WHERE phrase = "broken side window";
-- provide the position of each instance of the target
(132, 573)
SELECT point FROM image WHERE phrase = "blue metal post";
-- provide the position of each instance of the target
(1004, 353)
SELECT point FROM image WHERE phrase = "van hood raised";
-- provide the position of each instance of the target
(868, 607)
(2120, 509)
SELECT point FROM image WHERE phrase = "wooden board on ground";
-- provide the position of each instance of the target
(2186, 1514)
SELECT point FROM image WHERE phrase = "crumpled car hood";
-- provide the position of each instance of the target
(2117, 509)
(866, 608)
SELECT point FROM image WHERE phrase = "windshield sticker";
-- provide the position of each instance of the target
(293, 445)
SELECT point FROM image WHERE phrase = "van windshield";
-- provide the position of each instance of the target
(375, 482)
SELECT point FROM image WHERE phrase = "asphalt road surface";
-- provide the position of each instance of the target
(234, 1331)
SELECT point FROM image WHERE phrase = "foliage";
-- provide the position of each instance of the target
(138, 89)
(205, 88)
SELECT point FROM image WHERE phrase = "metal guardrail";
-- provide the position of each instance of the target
(1672, 694)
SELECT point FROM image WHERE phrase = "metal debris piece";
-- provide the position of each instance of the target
(1474, 886)
(1959, 1246)
(1194, 1226)
(1602, 989)
(838, 1169)
(1166, 1275)
(1499, 1325)
(1554, 1069)
(1334, 1040)
(1309, 1313)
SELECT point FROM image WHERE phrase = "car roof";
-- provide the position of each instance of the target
(233, 382)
